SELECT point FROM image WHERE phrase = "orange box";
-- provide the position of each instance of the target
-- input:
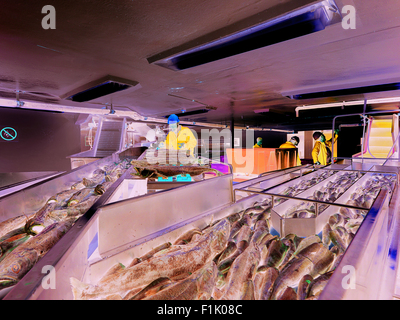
(260, 160)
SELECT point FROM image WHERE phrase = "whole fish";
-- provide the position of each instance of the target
(261, 230)
(302, 289)
(296, 240)
(75, 211)
(233, 217)
(291, 274)
(93, 181)
(187, 236)
(80, 196)
(242, 270)
(154, 171)
(225, 265)
(39, 218)
(62, 197)
(306, 242)
(275, 255)
(337, 240)
(171, 265)
(13, 226)
(16, 264)
(291, 249)
(325, 234)
(322, 261)
(196, 286)
(263, 282)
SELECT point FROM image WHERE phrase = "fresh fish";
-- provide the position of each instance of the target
(225, 265)
(39, 218)
(260, 232)
(318, 284)
(243, 269)
(171, 265)
(254, 210)
(151, 289)
(264, 282)
(304, 284)
(233, 217)
(194, 287)
(291, 274)
(244, 233)
(291, 249)
(80, 196)
(152, 252)
(306, 242)
(62, 197)
(337, 240)
(75, 211)
(230, 249)
(78, 186)
(296, 240)
(154, 171)
(325, 235)
(8, 245)
(247, 291)
(245, 220)
(336, 220)
(103, 187)
(187, 236)
(287, 294)
(13, 226)
(322, 261)
(275, 256)
(16, 264)
(93, 181)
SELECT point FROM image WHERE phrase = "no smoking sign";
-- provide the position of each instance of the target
(8, 134)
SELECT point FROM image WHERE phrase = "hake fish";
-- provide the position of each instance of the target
(197, 286)
(16, 264)
(242, 270)
(184, 261)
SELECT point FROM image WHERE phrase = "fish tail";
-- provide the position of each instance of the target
(78, 288)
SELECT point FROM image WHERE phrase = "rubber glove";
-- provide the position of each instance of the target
(181, 145)
(336, 131)
(318, 163)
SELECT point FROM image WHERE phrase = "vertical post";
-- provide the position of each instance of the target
(232, 132)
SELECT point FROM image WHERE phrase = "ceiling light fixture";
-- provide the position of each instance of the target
(298, 23)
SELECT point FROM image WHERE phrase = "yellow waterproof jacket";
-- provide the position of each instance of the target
(256, 146)
(319, 153)
(185, 135)
(288, 144)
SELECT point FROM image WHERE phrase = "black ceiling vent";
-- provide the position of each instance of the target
(305, 21)
(349, 91)
(99, 88)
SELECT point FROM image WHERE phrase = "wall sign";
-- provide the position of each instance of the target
(8, 134)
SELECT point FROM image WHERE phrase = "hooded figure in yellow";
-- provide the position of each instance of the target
(259, 143)
(179, 137)
(322, 154)
(293, 143)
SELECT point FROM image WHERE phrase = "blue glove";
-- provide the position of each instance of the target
(180, 145)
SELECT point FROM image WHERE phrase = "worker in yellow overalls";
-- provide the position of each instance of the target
(179, 137)
(259, 143)
(293, 143)
(322, 154)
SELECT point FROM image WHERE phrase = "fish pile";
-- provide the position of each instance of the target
(235, 258)
(149, 171)
(27, 238)
(329, 192)
(304, 184)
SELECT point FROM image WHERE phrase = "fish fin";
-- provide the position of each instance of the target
(77, 288)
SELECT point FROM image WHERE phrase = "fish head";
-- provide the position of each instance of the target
(7, 281)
